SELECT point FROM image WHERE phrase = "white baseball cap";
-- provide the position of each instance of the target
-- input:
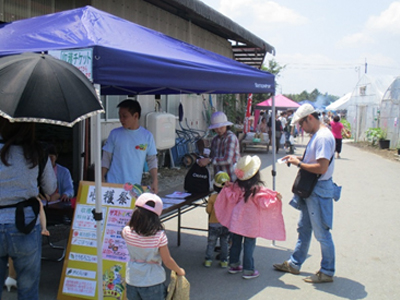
(302, 112)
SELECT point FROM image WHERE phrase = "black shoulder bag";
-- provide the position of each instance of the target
(305, 181)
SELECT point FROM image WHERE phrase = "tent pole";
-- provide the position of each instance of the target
(273, 123)
(98, 209)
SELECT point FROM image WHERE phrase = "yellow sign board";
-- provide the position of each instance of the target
(79, 274)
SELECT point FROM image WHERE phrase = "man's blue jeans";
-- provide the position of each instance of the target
(26, 252)
(316, 214)
(248, 249)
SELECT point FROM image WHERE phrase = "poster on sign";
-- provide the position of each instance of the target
(114, 247)
(79, 275)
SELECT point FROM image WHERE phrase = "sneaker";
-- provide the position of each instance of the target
(234, 270)
(286, 267)
(207, 263)
(224, 264)
(255, 274)
(319, 277)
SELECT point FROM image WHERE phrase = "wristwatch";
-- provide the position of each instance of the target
(299, 164)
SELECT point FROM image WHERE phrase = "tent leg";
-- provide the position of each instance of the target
(98, 207)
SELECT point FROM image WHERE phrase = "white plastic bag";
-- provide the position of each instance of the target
(291, 139)
(283, 139)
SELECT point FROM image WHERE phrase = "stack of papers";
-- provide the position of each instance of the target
(167, 202)
(174, 198)
(178, 195)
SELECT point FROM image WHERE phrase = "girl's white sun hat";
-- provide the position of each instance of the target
(247, 167)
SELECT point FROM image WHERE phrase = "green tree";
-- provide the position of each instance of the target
(274, 68)
(314, 96)
(233, 108)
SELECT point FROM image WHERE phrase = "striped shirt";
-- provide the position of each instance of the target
(145, 265)
(225, 153)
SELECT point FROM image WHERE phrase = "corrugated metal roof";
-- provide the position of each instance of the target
(248, 48)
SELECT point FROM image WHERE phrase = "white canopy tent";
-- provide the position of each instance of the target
(341, 103)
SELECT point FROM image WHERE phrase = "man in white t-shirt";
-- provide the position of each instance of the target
(128, 148)
(317, 209)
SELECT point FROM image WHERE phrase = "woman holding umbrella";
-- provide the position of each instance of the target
(20, 234)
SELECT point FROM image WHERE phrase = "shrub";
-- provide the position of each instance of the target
(375, 134)
(347, 128)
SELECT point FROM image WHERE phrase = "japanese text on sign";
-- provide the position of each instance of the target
(114, 246)
(80, 58)
(110, 196)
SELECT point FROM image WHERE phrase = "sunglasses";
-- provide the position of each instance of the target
(302, 121)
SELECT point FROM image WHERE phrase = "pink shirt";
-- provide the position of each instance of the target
(337, 129)
(261, 216)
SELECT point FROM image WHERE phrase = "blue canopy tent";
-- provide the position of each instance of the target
(131, 59)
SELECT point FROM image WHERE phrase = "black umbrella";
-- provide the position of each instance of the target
(43, 89)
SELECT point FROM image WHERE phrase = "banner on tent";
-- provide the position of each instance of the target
(247, 120)
(80, 58)
(79, 274)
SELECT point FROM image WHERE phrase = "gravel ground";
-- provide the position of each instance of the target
(167, 178)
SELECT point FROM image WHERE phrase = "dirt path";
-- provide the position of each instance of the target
(390, 154)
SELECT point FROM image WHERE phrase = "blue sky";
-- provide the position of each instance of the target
(323, 43)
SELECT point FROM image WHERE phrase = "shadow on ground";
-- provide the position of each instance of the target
(216, 283)
(212, 283)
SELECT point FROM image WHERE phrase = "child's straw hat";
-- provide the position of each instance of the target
(247, 167)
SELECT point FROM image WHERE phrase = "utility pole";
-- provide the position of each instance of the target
(365, 66)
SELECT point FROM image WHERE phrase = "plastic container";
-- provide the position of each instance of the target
(162, 126)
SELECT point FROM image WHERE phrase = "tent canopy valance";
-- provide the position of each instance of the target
(131, 59)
